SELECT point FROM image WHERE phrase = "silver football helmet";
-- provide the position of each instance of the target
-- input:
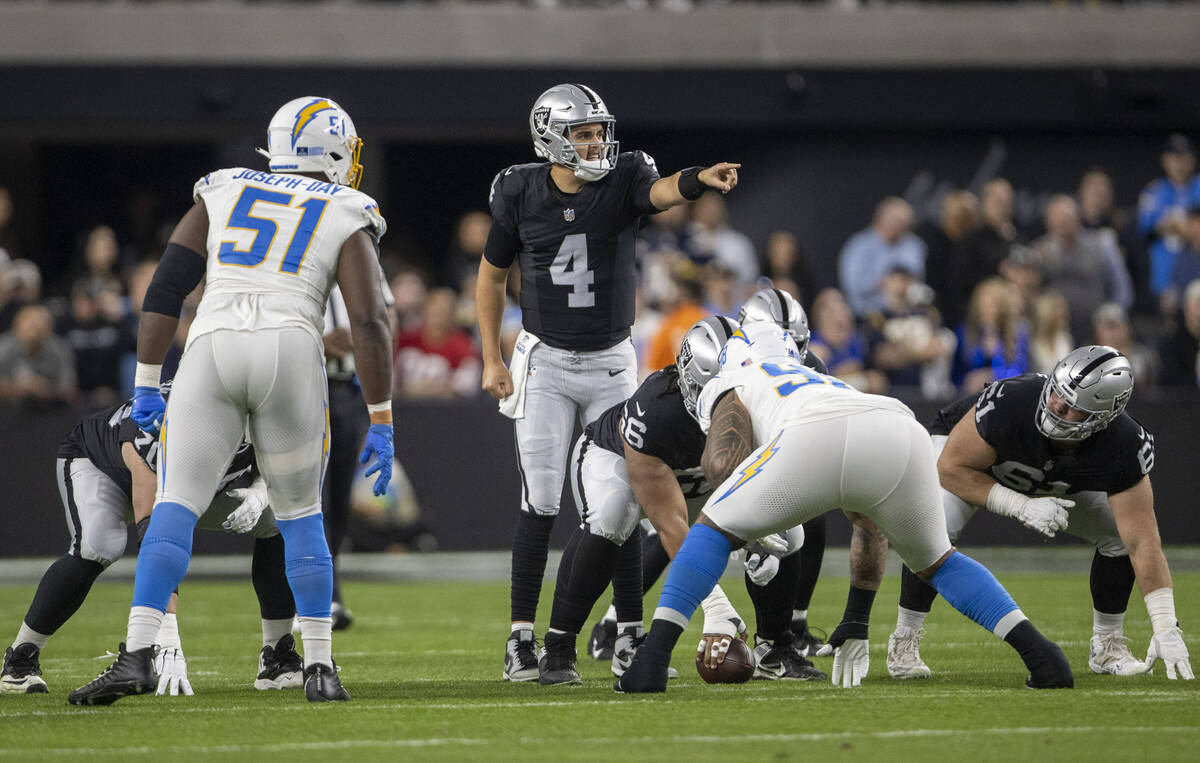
(781, 308)
(553, 115)
(1095, 380)
(699, 356)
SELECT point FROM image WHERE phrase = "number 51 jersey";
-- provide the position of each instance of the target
(273, 246)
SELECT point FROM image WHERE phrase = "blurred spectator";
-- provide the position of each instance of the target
(1110, 326)
(662, 244)
(906, 339)
(96, 328)
(682, 309)
(721, 292)
(1051, 336)
(869, 254)
(1187, 262)
(1096, 198)
(944, 239)
(35, 365)
(462, 261)
(710, 233)
(1022, 268)
(785, 265)
(993, 343)
(983, 250)
(101, 253)
(837, 341)
(8, 235)
(1084, 266)
(437, 359)
(409, 289)
(1161, 209)
(1180, 350)
(22, 286)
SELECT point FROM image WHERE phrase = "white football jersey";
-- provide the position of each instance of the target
(273, 246)
(780, 392)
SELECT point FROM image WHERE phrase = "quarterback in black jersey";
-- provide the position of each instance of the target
(570, 225)
(106, 477)
(1059, 453)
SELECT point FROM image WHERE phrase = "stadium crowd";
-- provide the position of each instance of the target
(927, 308)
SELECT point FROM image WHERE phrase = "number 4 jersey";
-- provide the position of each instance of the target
(273, 246)
(1112, 460)
(576, 251)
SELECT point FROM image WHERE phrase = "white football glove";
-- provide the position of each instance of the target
(774, 543)
(1168, 646)
(851, 661)
(171, 668)
(720, 617)
(761, 567)
(245, 517)
(1045, 514)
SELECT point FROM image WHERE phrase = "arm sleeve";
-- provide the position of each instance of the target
(504, 241)
(502, 247)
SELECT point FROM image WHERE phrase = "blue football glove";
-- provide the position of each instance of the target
(379, 442)
(149, 407)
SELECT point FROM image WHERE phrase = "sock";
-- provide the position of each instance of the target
(168, 632)
(268, 571)
(521, 625)
(63, 587)
(654, 561)
(800, 616)
(773, 602)
(610, 614)
(697, 568)
(1104, 623)
(627, 578)
(587, 565)
(811, 557)
(973, 590)
(309, 567)
(908, 620)
(915, 594)
(621, 626)
(663, 636)
(273, 630)
(530, 545)
(1111, 582)
(144, 624)
(163, 559)
(27, 635)
(316, 633)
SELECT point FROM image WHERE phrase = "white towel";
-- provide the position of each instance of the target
(513, 406)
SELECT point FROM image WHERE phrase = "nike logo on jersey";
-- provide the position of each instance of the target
(639, 409)
(615, 371)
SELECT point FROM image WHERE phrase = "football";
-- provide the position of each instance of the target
(737, 668)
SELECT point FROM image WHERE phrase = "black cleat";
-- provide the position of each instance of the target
(557, 664)
(132, 673)
(343, 618)
(603, 640)
(321, 684)
(779, 659)
(807, 643)
(280, 666)
(22, 673)
(521, 656)
(1049, 669)
(647, 674)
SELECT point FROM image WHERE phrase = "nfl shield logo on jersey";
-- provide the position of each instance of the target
(541, 119)
(569, 215)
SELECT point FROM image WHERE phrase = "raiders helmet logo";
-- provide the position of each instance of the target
(541, 119)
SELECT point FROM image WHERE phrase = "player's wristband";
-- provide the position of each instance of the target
(381, 413)
(690, 186)
(147, 375)
(1005, 501)
(1160, 605)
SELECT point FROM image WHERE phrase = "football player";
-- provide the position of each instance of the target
(268, 246)
(1059, 454)
(785, 444)
(570, 225)
(106, 479)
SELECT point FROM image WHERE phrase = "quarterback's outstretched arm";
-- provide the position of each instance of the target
(688, 185)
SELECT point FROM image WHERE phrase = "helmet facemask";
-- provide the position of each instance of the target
(563, 148)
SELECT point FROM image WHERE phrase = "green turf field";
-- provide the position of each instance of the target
(423, 664)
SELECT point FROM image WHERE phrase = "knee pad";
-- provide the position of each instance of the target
(613, 522)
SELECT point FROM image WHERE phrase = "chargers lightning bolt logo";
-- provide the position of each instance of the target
(306, 115)
(754, 467)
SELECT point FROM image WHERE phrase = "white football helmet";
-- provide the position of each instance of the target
(1096, 380)
(781, 308)
(756, 342)
(699, 356)
(553, 115)
(314, 134)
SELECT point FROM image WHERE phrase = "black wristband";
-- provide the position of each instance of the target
(690, 186)
(858, 605)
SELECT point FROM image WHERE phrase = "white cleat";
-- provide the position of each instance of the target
(904, 655)
(1110, 654)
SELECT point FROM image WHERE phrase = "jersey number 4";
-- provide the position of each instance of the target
(570, 268)
(266, 229)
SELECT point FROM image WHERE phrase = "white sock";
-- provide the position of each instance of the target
(316, 633)
(273, 630)
(610, 614)
(28, 635)
(635, 624)
(144, 623)
(168, 633)
(909, 619)
(799, 615)
(521, 625)
(1104, 623)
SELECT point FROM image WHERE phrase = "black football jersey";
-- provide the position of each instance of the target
(576, 251)
(99, 438)
(1112, 460)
